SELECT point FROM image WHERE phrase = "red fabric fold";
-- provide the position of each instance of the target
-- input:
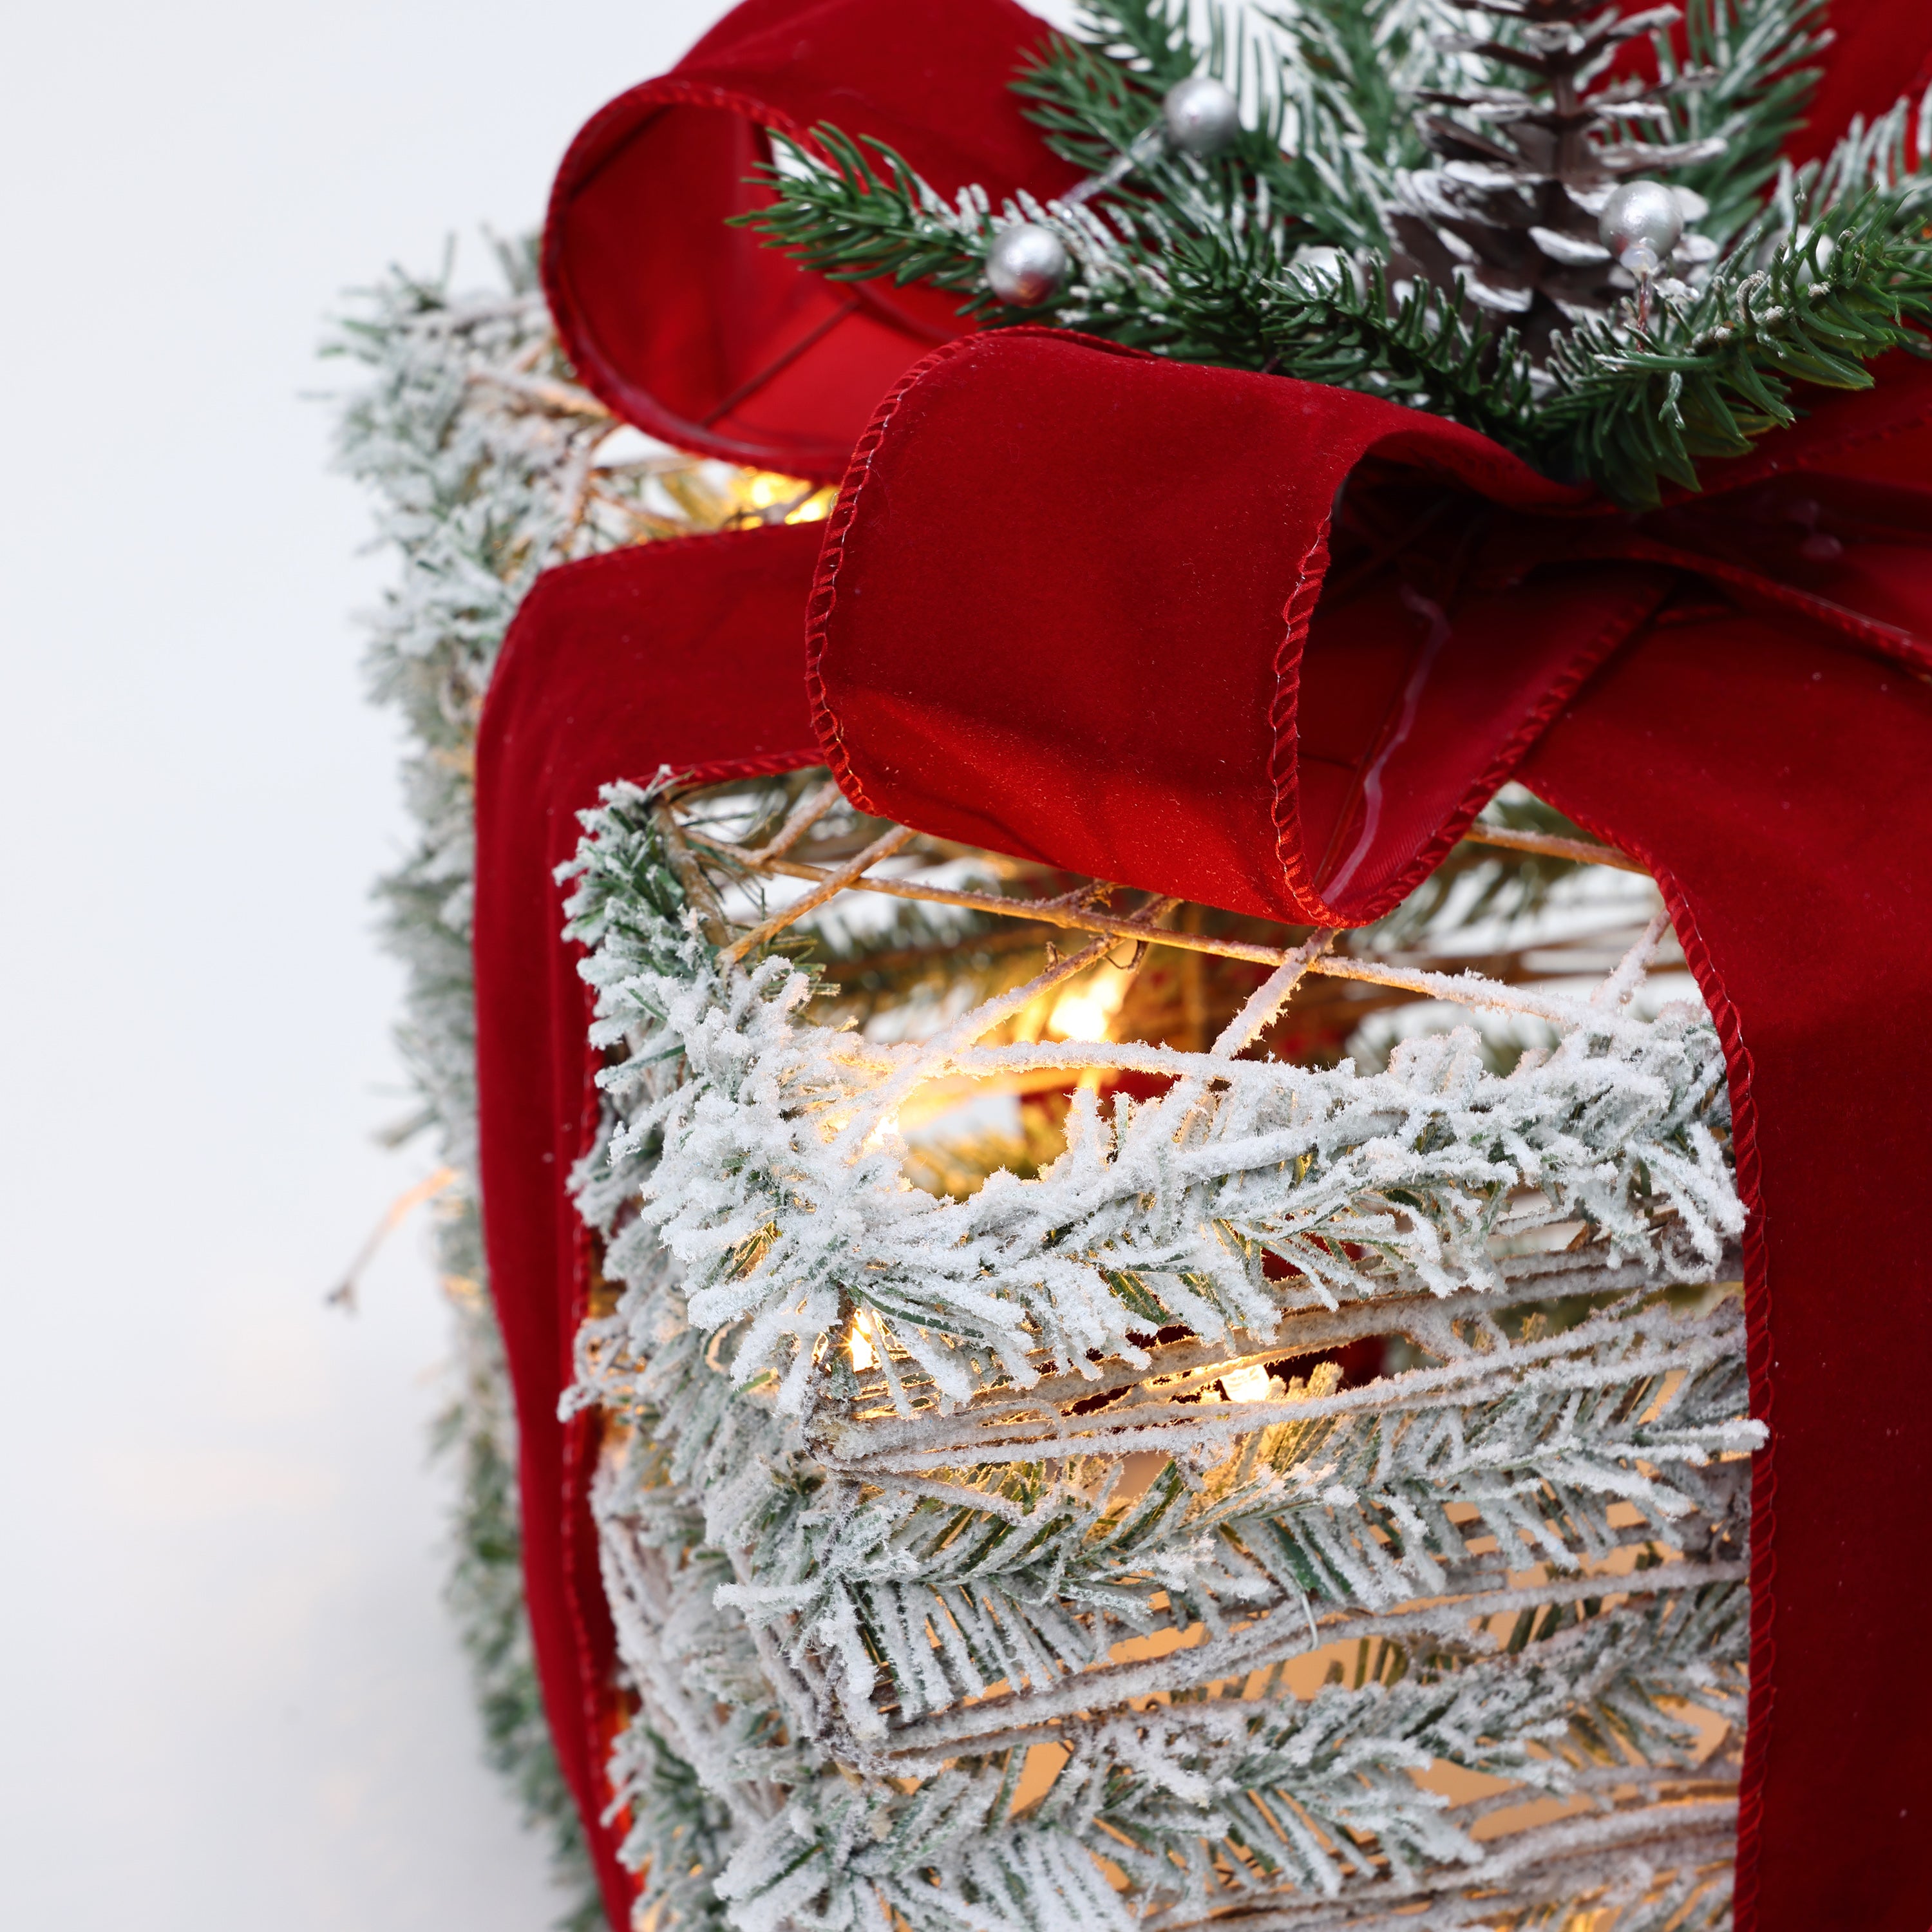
(1142, 656)
(1098, 550)
(683, 654)
(1774, 782)
(690, 329)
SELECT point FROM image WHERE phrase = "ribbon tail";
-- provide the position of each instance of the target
(684, 654)
(1775, 784)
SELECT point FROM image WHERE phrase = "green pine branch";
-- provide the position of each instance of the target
(1098, 104)
(1153, 39)
(1273, 260)
(1232, 298)
(1717, 370)
(1353, 71)
(1417, 348)
(1758, 61)
(849, 219)
(1327, 125)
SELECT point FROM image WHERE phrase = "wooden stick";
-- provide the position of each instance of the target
(690, 875)
(1549, 845)
(1255, 1646)
(1460, 989)
(828, 883)
(1155, 1423)
(1537, 1866)
(1045, 912)
(566, 397)
(805, 814)
(1585, 851)
(864, 1428)
(1467, 989)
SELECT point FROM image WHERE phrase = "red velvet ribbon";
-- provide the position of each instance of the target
(693, 331)
(1269, 645)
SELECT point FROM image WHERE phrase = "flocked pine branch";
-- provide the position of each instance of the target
(779, 1139)
(487, 463)
(1752, 68)
(473, 496)
(919, 1609)
(1304, 151)
(1232, 1800)
(1352, 77)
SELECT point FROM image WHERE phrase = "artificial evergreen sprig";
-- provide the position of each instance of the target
(1834, 273)
(1097, 104)
(1744, 77)
(1231, 295)
(1416, 347)
(850, 218)
(1631, 407)
(1350, 83)
(1283, 259)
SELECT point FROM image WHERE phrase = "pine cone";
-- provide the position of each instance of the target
(1526, 170)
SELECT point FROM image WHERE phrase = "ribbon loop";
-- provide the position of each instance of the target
(693, 331)
(1177, 643)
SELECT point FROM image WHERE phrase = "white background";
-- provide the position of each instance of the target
(229, 1698)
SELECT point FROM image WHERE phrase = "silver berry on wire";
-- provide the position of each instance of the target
(1027, 265)
(1202, 117)
(1198, 116)
(1642, 223)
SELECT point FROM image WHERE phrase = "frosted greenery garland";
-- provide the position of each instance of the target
(780, 1141)
(473, 496)
(487, 464)
(813, 1606)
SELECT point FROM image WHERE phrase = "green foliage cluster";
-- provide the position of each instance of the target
(1277, 254)
(1796, 303)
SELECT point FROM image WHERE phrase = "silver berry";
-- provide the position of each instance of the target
(1201, 116)
(1641, 223)
(1026, 264)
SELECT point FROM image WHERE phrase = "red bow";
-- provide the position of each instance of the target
(1358, 621)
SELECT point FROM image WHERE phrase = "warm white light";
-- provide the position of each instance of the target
(1076, 1018)
(1247, 1384)
(1087, 1011)
(859, 1343)
(768, 490)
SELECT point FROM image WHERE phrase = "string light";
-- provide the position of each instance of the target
(787, 498)
(1087, 1011)
(859, 1343)
(1247, 1384)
